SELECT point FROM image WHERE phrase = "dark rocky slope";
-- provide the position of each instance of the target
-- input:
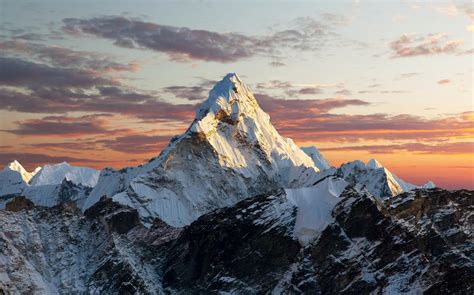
(418, 242)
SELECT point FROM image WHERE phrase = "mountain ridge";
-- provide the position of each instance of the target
(230, 151)
(230, 134)
(230, 206)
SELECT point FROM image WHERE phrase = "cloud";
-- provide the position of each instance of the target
(374, 85)
(127, 103)
(100, 139)
(71, 146)
(288, 109)
(34, 87)
(277, 64)
(455, 9)
(187, 92)
(305, 91)
(468, 10)
(297, 89)
(307, 126)
(448, 10)
(192, 93)
(431, 44)
(444, 82)
(343, 92)
(50, 79)
(64, 57)
(62, 126)
(407, 75)
(18, 72)
(335, 19)
(185, 44)
(421, 148)
(137, 144)
(192, 44)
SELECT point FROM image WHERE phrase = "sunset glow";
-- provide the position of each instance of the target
(359, 80)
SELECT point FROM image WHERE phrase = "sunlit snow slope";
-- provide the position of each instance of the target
(230, 152)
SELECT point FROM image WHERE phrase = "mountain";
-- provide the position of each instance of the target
(317, 157)
(231, 207)
(367, 248)
(11, 182)
(230, 152)
(59, 250)
(376, 179)
(25, 175)
(53, 194)
(55, 174)
(14, 179)
(47, 186)
(416, 242)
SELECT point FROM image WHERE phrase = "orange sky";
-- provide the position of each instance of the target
(108, 85)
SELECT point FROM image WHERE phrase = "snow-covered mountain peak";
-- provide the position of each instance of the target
(16, 166)
(430, 184)
(55, 174)
(25, 175)
(229, 90)
(374, 164)
(235, 126)
(230, 152)
(377, 179)
(230, 101)
(317, 157)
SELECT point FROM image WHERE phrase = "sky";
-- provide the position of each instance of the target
(108, 83)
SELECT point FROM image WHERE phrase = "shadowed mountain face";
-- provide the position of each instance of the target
(417, 241)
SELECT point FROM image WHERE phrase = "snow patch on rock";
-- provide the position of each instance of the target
(314, 207)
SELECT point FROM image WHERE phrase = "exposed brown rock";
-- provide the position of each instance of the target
(18, 204)
(119, 218)
(223, 116)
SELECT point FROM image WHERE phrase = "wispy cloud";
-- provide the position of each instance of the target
(192, 93)
(277, 64)
(137, 143)
(62, 126)
(294, 90)
(444, 82)
(407, 75)
(421, 148)
(64, 57)
(184, 44)
(456, 9)
(315, 126)
(36, 87)
(410, 45)
(18, 72)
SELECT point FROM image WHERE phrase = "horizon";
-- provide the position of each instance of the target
(110, 90)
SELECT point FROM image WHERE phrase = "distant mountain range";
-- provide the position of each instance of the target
(231, 206)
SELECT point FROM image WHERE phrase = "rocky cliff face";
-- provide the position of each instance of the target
(370, 247)
(60, 250)
(416, 242)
